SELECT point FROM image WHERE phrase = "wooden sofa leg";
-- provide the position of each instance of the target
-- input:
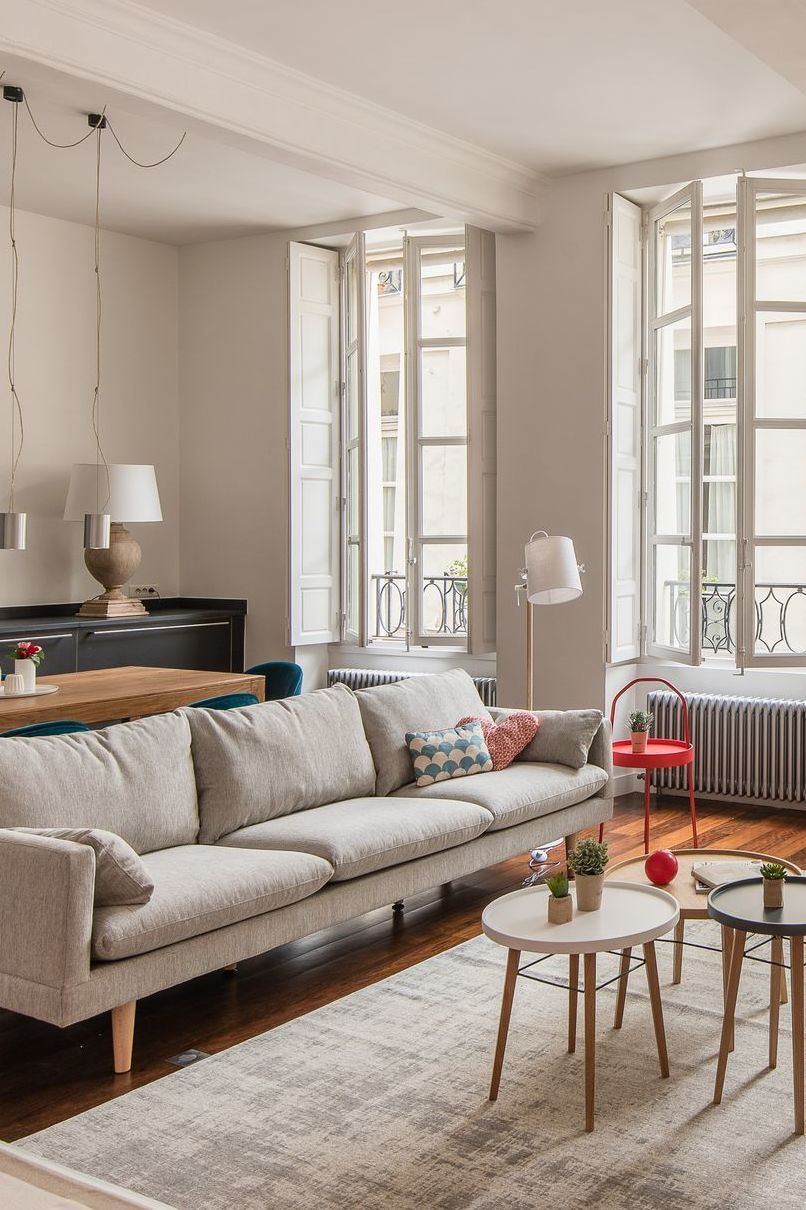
(123, 1036)
(231, 969)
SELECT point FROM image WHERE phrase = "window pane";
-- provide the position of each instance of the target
(673, 260)
(352, 492)
(719, 599)
(720, 372)
(353, 581)
(352, 395)
(780, 497)
(671, 621)
(673, 483)
(780, 247)
(442, 296)
(781, 364)
(443, 379)
(780, 599)
(352, 300)
(389, 509)
(389, 459)
(444, 489)
(673, 372)
(444, 586)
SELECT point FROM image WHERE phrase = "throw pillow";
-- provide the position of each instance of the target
(455, 752)
(507, 739)
(563, 737)
(120, 876)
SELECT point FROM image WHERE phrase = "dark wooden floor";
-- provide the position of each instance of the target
(50, 1074)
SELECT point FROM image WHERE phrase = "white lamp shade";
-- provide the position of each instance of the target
(133, 493)
(552, 573)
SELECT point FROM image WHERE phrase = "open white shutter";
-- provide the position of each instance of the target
(624, 429)
(481, 450)
(315, 407)
(354, 523)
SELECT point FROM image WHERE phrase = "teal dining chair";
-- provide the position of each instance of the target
(62, 726)
(283, 679)
(225, 701)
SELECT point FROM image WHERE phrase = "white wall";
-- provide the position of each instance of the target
(233, 343)
(55, 375)
(551, 411)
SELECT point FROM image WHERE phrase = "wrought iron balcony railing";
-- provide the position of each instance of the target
(444, 605)
(780, 617)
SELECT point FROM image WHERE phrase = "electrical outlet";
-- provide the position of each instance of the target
(144, 590)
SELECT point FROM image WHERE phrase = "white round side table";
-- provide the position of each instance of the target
(630, 915)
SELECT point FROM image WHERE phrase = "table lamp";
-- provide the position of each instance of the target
(133, 496)
(550, 577)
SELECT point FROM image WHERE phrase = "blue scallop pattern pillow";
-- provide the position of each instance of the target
(456, 752)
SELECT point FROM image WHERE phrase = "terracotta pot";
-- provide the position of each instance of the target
(639, 739)
(560, 911)
(773, 892)
(589, 891)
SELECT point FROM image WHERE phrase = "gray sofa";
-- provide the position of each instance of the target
(257, 826)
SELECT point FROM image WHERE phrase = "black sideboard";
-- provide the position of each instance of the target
(177, 632)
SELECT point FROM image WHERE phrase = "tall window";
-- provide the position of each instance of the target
(721, 428)
(416, 461)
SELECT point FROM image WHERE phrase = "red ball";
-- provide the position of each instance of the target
(661, 867)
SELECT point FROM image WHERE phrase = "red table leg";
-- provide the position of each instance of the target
(647, 792)
(692, 803)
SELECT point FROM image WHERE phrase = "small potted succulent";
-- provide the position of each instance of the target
(773, 874)
(588, 861)
(640, 722)
(27, 657)
(561, 905)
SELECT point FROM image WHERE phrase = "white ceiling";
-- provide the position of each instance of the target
(209, 190)
(557, 85)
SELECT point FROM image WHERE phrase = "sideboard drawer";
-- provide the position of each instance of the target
(202, 645)
(59, 648)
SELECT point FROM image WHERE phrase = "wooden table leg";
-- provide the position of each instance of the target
(727, 946)
(573, 998)
(513, 958)
(677, 960)
(734, 975)
(657, 1006)
(621, 993)
(590, 1039)
(796, 960)
(776, 974)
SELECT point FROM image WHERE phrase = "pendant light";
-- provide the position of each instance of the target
(98, 524)
(13, 524)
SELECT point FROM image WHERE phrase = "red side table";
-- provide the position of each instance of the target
(660, 754)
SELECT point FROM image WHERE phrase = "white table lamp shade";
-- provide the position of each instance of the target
(552, 572)
(133, 493)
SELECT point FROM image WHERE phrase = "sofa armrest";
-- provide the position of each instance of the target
(601, 753)
(46, 899)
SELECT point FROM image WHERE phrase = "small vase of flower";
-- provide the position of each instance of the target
(640, 722)
(27, 657)
(588, 861)
(773, 874)
(561, 905)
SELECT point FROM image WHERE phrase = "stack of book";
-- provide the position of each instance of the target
(710, 874)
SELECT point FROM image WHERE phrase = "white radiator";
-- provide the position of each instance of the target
(744, 747)
(364, 678)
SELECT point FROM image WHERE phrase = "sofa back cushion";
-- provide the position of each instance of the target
(134, 779)
(259, 762)
(420, 703)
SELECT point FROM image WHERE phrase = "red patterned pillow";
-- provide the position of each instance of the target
(507, 739)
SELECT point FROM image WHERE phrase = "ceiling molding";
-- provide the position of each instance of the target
(255, 101)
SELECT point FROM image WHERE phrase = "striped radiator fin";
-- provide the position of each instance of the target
(364, 678)
(744, 747)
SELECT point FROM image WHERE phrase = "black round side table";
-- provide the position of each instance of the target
(739, 906)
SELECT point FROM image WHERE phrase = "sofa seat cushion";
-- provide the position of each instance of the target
(198, 888)
(518, 793)
(366, 834)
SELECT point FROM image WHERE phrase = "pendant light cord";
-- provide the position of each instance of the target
(16, 407)
(100, 457)
(51, 142)
(139, 163)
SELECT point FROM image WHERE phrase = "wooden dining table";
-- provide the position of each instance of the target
(107, 695)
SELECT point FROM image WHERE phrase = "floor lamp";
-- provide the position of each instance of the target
(550, 577)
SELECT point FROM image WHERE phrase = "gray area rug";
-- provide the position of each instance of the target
(380, 1100)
